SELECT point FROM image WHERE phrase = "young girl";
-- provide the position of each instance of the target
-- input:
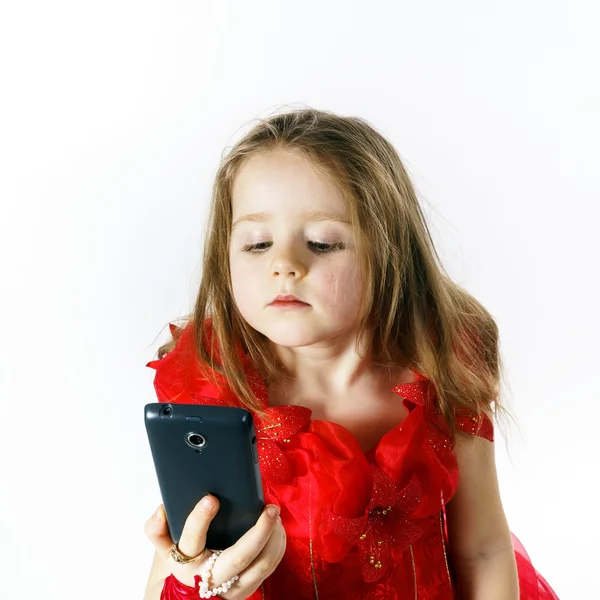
(372, 378)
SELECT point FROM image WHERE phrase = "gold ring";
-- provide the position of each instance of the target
(179, 558)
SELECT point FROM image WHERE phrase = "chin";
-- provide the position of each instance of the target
(290, 339)
(289, 334)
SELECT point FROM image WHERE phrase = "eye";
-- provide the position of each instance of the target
(321, 247)
(317, 247)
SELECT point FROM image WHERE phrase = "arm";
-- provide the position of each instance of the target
(494, 578)
(480, 543)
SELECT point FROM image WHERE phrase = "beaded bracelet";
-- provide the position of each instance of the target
(205, 575)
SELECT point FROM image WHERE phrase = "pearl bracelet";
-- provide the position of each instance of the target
(221, 589)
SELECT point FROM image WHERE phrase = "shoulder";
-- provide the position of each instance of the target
(478, 425)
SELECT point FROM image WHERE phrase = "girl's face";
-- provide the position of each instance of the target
(291, 235)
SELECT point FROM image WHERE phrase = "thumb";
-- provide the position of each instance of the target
(157, 531)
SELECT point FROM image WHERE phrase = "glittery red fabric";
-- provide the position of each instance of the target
(360, 525)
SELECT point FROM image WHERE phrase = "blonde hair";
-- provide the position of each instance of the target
(422, 318)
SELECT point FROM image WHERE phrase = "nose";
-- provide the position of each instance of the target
(286, 263)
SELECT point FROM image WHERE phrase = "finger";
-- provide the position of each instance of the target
(266, 562)
(193, 536)
(236, 558)
(260, 568)
(158, 533)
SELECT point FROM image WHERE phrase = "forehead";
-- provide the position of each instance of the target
(286, 184)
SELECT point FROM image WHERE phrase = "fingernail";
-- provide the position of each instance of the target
(157, 516)
(273, 511)
(207, 503)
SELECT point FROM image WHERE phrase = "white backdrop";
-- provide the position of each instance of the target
(114, 115)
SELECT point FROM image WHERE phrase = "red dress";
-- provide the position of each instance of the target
(360, 526)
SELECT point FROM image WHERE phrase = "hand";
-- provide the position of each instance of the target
(253, 557)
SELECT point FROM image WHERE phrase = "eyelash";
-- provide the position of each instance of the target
(326, 247)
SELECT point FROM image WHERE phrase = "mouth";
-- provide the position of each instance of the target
(286, 298)
(288, 304)
(287, 301)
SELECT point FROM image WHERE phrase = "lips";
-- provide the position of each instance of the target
(283, 298)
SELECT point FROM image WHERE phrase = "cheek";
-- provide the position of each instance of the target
(247, 293)
(241, 282)
(340, 285)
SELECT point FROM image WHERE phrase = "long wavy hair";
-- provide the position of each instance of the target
(421, 318)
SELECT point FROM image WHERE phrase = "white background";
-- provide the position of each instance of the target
(114, 115)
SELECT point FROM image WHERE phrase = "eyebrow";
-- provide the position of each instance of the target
(261, 217)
